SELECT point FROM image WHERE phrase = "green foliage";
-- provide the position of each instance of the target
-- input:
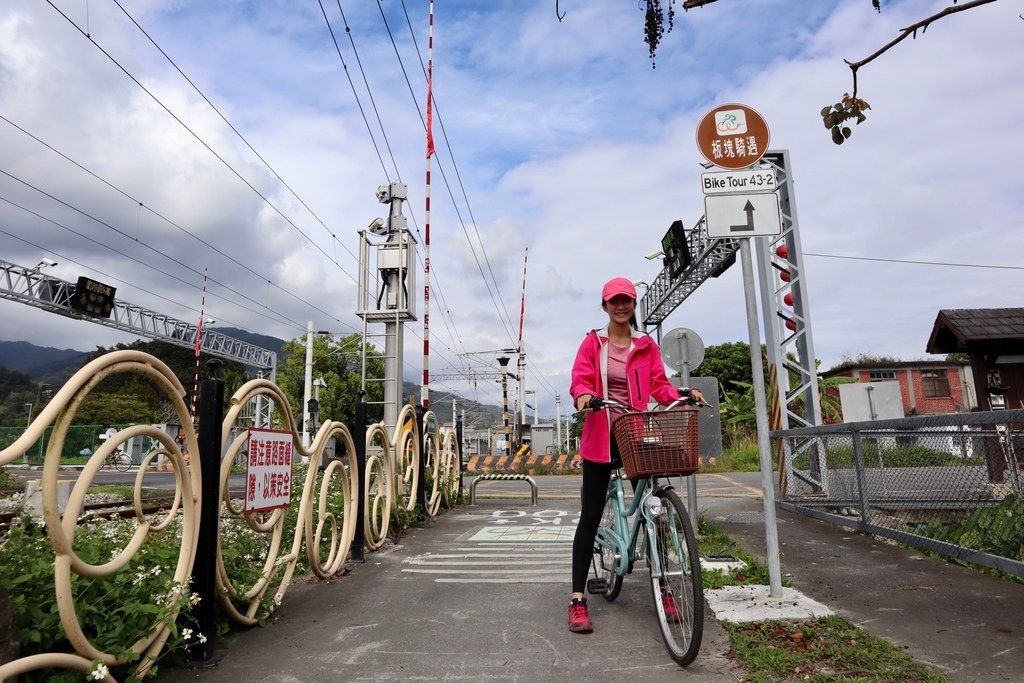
(114, 611)
(841, 456)
(740, 455)
(998, 530)
(835, 115)
(729, 363)
(738, 407)
(713, 542)
(339, 362)
(831, 407)
(6, 480)
(126, 408)
(816, 650)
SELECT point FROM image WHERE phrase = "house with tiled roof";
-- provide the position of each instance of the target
(993, 339)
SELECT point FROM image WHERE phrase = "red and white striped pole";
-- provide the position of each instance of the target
(424, 391)
(198, 345)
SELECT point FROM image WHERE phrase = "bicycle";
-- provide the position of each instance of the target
(120, 461)
(653, 445)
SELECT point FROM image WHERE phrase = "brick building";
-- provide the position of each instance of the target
(928, 387)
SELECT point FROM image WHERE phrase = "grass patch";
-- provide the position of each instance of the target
(741, 456)
(712, 541)
(825, 649)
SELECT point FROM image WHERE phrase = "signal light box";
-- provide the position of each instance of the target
(93, 298)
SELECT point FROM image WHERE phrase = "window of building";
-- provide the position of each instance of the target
(935, 383)
(881, 375)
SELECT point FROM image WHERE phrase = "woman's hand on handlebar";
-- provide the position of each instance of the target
(694, 396)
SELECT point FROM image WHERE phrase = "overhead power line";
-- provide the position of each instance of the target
(916, 263)
(200, 140)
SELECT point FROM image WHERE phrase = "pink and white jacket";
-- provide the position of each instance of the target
(645, 375)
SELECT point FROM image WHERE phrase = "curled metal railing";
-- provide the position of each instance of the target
(323, 526)
(61, 528)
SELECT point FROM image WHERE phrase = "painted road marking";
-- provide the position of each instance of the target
(525, 534)
(508, 546)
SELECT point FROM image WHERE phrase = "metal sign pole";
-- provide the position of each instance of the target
(761, 413)
(684, 374)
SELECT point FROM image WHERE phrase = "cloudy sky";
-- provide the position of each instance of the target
(145, 141)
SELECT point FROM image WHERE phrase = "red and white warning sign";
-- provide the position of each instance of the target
(268, 476)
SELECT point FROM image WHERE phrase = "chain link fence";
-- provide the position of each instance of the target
(951, 484)
(80, 443)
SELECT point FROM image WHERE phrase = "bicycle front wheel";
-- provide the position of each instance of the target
(122, 462)
(675, 580)
(606, 551)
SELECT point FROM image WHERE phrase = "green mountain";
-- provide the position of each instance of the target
(40, 362)
(35, 369)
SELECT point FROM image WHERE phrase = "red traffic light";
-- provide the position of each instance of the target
(784, 275)
(782, 251)
(788, 299)
(791, 324)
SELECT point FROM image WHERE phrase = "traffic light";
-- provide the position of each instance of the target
(782, 251)
(93, 298)
(677, 253)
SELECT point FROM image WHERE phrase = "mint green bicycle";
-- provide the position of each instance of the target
(654, 526)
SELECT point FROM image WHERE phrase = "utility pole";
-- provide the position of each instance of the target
(307, 388)
(558, 420)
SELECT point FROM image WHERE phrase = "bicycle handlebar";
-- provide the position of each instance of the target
(599, 403)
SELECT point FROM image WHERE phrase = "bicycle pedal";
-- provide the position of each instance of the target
(597, 586)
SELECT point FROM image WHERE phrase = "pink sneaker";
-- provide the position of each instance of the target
(671, 607)
(579, 618)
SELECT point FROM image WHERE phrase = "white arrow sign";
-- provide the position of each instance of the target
(738, 215)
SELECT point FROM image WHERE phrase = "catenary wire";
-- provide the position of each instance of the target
(231, 168)
(262, 277)
(65, 257)
(453, 336)
(144, 244)
(232, 127)
(503, 315)
(916, 263)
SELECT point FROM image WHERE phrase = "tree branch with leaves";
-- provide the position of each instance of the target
(659, 19)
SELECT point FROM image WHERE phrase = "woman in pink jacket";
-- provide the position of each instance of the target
(624, 364)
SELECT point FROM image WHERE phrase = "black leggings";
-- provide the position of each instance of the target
(592, 497)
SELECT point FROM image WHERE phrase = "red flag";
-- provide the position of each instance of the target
(430, 114)
(199, 335)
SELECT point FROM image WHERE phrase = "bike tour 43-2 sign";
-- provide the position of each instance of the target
(268, 476)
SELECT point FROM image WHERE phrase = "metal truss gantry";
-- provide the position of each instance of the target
(29, 286)
(787, 327)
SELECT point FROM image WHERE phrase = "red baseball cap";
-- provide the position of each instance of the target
(616, 286)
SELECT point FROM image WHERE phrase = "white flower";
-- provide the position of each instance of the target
(186, 633)
(202, 638)
(100, 672)
(193, 599)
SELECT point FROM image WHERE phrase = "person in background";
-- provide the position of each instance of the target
(621, 363)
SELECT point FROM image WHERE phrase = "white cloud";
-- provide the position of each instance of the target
(567, 143)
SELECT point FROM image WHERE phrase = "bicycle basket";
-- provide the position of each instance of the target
(658, 442)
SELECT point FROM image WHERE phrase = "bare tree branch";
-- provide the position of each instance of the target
(910, 31)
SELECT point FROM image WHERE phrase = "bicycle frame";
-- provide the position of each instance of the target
(623, 538)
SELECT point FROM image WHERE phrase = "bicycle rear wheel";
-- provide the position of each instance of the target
(675, 580)
(122, 462)
(606, 557)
